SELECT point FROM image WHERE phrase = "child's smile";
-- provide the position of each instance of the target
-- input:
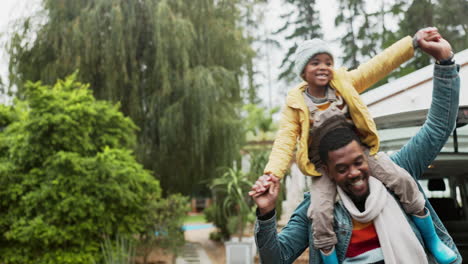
(318, 73)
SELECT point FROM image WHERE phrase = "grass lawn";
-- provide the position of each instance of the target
(198, 218)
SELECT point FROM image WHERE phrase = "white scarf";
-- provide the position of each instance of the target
(398, 242)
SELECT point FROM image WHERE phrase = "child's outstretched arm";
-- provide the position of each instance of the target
(282, 151)
(385, 62)
(285, 143)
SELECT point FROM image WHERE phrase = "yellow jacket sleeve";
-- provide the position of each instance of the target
(381, 65)
(285, 143)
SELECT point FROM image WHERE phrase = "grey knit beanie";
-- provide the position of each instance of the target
(307, 50)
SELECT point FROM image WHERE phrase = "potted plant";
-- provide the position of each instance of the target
(232, 187)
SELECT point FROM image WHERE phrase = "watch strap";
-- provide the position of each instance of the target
(448, 61)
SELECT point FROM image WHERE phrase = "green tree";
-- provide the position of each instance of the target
(414, 20)
(367, 32)
(304, 21)
(175, 67)
(451, 21)
(356, 41)
(252, 17)
(447, 16)
(414, 15)
(68, 177)
(259, 121)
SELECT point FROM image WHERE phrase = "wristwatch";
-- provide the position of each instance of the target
(448, 61)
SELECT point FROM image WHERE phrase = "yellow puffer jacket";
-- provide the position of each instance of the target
(294, 124)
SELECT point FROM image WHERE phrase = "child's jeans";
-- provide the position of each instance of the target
(323, 194)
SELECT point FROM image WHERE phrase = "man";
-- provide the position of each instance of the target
(414, 157)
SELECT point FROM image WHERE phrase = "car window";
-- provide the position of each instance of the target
(442, 194)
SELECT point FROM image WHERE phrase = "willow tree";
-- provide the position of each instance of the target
(174, 66)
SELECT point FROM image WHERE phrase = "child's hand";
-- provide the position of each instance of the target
(262, 184)
(265, 193)
(424, 33)
(431, 42)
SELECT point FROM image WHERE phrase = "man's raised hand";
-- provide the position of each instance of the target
(431, 42)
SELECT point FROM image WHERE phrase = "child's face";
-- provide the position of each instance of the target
(319, 71)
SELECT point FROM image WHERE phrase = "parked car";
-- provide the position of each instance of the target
(445, 182)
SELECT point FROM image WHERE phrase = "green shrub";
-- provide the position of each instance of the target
(7, 116)
(216, 236)
(68, 177)
(214, 215)
(164, 225)
(120, 251)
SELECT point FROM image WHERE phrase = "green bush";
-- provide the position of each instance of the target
(216, 236)
(214, 215)
(7, 115)
(164, 226)
(68, 177)
(120, 251)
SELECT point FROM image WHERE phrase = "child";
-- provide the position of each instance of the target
(334, 94)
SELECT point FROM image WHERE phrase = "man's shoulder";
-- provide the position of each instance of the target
(304, 204)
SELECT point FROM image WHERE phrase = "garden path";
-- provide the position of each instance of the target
(197, 237)
(193, 253)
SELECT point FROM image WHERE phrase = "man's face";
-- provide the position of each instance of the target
(349, 169)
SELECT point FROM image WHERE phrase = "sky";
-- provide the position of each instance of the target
(271, 90)
(10, 11)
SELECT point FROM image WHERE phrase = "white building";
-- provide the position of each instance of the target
(412, 92)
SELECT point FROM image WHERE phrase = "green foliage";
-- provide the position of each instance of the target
(214, 214)
(174, 65)
(120, 251)
(198, 218)
(259, 120)
(369, 30)
(231, 199)
(7, 116)
(350, 18)
(68, 177)
(258, 161)
(163, 225)
(445, 15)
(216, 236)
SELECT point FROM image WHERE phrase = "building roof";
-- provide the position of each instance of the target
(412, 92)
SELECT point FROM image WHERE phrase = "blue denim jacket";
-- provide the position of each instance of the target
(415, 157)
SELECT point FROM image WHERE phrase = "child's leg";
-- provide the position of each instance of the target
(323, 192)
(399, 181)
(405, 187)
